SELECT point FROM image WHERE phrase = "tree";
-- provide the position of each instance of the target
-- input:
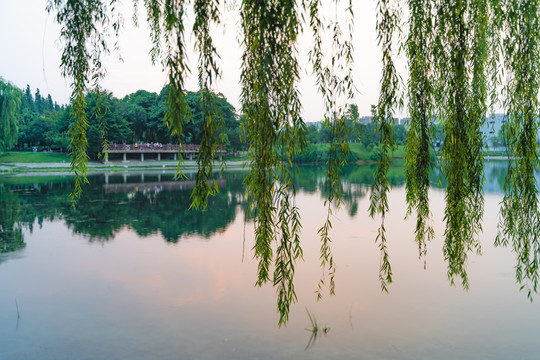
(454, 53)
(27, 100)
(10, 103)
(39, 102)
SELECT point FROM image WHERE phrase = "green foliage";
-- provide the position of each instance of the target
(520, 217)
(85, 26)
(42, 126)
(460, 51)
(334, 81)
(418, 160)
(207, 13)
(10, 103)
(387, 24)
(451, 47)
(275, 132)
(320, 154)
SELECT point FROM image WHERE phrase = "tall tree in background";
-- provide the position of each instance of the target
(10, 103)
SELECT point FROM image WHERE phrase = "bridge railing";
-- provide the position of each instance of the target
(152, 147)
(157, 147)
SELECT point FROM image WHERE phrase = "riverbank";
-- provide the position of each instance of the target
(95, 166)
(59, 163)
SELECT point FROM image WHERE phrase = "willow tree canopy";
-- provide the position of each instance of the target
(10, 103)
(457, 51)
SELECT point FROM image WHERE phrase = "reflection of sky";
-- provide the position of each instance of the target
(141, 298)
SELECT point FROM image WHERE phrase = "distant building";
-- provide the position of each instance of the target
(365, 120)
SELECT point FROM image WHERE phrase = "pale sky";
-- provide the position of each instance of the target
(31, 55)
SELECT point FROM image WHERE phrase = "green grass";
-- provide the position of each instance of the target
(33, 157)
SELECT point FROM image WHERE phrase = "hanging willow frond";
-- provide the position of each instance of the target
(520, 218)
(335, 84)
(275, 131)
(452, 44)
(418, 163)
(172, 27)
(460, 50)
(85, 26)
(10, 104)
(207, 13)
(387, 24)
(495, 23)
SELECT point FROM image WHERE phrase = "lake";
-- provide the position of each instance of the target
(133, 274)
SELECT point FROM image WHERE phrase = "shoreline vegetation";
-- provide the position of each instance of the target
(56, 162)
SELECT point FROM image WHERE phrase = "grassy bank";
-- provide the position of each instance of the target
(33, 157)
(314, 154)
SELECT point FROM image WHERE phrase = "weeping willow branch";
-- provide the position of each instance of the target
(418, 163)
(335, 84)
(275, 131)
(85, 28)
(206, 13)
(495, 23)
(10, 104)
(289, 249)
(172, 27)
(387, 23)
(460, 50)
(451, 46)
(520, 220)
(99, 114)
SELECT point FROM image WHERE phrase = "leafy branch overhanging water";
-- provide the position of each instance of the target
(450, 46)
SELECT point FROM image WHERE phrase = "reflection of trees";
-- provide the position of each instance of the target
(100, 215)
(356, 182)
(11, 237)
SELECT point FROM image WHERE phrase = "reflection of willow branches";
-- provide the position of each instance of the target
(315, 330)
(11, 237)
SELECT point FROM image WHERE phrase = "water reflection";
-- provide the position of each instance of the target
(154, 203)
(11, 237)
(112, 202)
(196, 300)
(151, 203)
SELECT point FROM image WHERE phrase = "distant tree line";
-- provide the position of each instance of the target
(366, 134)
(138, 117)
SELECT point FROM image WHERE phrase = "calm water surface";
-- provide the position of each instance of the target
(131, 274)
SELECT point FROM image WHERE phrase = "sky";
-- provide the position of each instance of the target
(32, 50)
